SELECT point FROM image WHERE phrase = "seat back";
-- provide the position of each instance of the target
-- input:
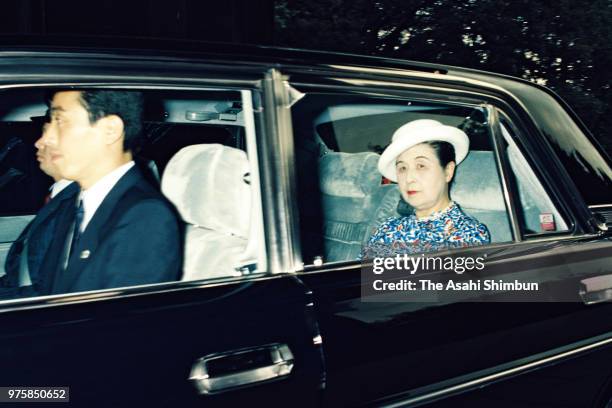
(348, 183)
(208, 185)
(477, 189)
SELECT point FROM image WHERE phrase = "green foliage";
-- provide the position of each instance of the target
(564, 45)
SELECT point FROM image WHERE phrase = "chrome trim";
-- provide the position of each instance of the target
(403, 87)
(392, 86)
(563, 236)
(600, 222)
(531, 363)
(404, 72)
(436, 75)
(130, 82)
(281, 366)
(257, 223)
(65, 299)
(503, 169)
(601, 217)
(475, 100)
(597, 289)
(278, 177)
(355, 264)
(294, 95)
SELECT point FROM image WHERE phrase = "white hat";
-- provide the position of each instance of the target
(416, 132)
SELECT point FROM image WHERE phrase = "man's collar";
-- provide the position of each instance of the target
(94, 195)
(59, 186)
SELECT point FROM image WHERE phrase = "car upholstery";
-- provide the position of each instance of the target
(207, 184)
(477, 190)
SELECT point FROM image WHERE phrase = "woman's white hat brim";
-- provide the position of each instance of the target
(420, 131)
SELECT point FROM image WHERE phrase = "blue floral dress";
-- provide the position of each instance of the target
(448, 228)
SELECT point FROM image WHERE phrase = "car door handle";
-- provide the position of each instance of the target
(597, 289)
(220, 372)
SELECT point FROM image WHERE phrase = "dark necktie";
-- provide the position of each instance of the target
(76, 233)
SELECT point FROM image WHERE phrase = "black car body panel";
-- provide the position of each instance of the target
(401, 346)
(122, 351)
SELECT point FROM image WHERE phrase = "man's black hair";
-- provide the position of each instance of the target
(128, 105)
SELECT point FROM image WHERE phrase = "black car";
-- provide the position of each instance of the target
(272, 308)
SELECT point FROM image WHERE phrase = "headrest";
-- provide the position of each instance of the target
(208, 185)
(349, 174)
(476, 184)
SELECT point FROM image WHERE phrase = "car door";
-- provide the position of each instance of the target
(231, 341)
(413, 351)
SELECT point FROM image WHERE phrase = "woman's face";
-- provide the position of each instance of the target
(422, 181)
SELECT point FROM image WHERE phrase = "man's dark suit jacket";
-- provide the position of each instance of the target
(39, 234)
(132, 239)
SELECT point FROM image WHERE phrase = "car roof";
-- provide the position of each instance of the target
(251, 52)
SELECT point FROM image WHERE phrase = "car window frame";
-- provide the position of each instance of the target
(437, 93)
(515, 133)
(256, 90)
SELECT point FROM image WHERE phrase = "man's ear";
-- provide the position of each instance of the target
(449, 171)
(112, 128)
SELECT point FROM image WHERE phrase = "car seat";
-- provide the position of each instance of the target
(349, 185)
(477, 190)
(208, 184)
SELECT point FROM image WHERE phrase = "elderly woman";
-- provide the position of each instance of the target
(422, 158)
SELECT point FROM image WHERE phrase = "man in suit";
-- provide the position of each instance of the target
(120, 231)
(22, 265)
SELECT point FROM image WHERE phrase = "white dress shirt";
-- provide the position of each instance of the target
(59, 186)
(94, 195)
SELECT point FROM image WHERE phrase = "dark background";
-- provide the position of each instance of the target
(565, 44)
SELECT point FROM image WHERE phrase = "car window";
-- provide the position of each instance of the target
(343, 199)
(537, 214)
(197, 153)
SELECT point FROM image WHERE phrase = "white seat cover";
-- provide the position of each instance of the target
(208, 184)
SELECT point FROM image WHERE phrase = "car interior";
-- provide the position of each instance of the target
(194, 150)
(339, 141)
